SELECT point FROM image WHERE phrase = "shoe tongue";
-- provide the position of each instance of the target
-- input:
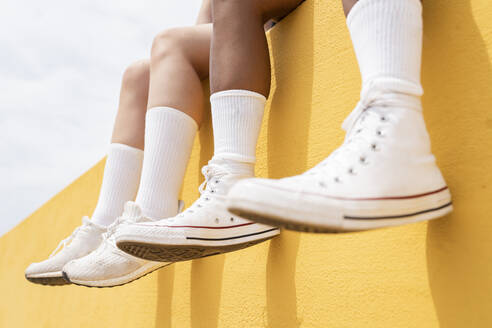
(132, 210)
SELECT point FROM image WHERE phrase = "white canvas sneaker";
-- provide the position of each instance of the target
(383, 175)
(204, 229)
(108, 266)
(81, 242)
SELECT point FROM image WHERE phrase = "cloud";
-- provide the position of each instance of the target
(60, 71)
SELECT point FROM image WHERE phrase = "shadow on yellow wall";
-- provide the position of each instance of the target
(287, 155)
(457, 78)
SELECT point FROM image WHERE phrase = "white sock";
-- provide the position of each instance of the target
(236, 119)
(387, 39)
(120, 182)
(169, 135)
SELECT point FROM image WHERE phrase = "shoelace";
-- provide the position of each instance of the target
(122, 220)
(112, 227)
(374, 94)
(87, 226)
(212, 173)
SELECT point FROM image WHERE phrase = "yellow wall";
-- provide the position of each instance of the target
(413, 276)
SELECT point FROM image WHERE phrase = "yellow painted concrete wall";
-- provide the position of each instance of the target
(423, 275)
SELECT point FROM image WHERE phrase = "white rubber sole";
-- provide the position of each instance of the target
(48, 278)
(118, 281)
(185, 244)
(322, 214)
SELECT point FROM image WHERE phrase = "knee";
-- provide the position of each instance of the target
(167, 43)
(136, 75)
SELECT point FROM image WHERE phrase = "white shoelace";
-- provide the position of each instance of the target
(87, 226)
(212, 173)
(123, 219)
(373, 95)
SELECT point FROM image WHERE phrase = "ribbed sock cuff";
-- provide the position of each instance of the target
(169, 136)
(387, 39)
(120, 182)
(236, 118)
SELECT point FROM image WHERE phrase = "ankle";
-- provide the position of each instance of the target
(234, 165)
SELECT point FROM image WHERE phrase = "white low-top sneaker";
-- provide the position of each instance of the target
(81, 242)
(108, 266)
(206, 228)
(384, 174)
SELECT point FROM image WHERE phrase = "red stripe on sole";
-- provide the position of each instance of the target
(206, 227)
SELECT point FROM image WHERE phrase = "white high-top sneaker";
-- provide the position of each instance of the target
(383, 175)
(108, 266)
(206, 228)
(81, 242)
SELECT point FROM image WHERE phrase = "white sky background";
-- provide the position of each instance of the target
(60, 73)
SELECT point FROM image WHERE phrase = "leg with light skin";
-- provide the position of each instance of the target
(384, 173)
(124, 160)
(178, 63)
(129, 125)
(240, 83)
(120, 180)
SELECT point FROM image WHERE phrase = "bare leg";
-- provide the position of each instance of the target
(179, 62)
(130, 119)
(239, 56)
(347, 5)
(120, 181)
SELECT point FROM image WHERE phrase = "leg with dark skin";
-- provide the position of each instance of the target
(179, 62)
(239, 56)
(347, 5)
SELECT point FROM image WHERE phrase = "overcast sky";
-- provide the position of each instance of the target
(60, 72)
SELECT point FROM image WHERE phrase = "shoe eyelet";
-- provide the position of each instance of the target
(384, 119)
(337, 180)
(363, 159)
(199, 205)
(232, 219)
(216, 220)
(322, 184)
(212, 191)
(217, 181)
(358, 131)
(379, 133)
(351, 171)
(374, 147)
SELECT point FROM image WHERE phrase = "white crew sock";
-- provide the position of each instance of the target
(120, 182)
(387, 39)
(169, 135)
(236, 119)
